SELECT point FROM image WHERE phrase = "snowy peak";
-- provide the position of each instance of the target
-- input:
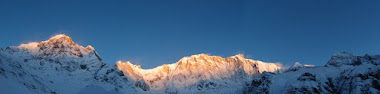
(58, 66)
(56, 46)
(297, 64)
(59, 39)
(207, 60)
(344, 58)
(190, 70)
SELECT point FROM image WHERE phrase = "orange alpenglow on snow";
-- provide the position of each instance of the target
(187, 71)
(58, 45)
(190, 70)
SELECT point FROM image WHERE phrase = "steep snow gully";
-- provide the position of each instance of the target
(60, 66)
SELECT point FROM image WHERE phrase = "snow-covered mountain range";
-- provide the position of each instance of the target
(60, 66)
(199, 73)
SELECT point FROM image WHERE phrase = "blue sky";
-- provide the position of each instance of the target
(158, 32)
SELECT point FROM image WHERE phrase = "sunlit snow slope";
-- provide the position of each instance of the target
(190, 70)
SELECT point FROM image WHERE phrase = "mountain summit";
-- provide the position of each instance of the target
(59, 45)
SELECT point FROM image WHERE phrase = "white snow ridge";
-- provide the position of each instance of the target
(60, 66)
